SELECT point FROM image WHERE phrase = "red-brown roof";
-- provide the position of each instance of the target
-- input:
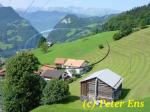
(74, 63)
(47, 67)
(60, 61)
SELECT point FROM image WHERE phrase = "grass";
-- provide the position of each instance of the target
(129, 57)
(76, 49)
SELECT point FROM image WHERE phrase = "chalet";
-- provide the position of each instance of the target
(47, 67)
(59, 62)
(51, 74)
(75, 67)
(100, 85)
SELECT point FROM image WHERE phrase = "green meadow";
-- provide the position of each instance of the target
(129, 57)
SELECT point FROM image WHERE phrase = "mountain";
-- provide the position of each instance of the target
(136, 17)
(73, 21)
(43, 20)
(73, 27)
(80, 11)
(15, 32)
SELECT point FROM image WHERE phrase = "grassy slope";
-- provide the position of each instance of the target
(128, 57)
(76, 49)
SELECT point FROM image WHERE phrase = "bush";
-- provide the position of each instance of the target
(55, 92)
(117, 36)
(125, 31)
(143, 27)
(100, 46)
(69, 80)
(75, 78)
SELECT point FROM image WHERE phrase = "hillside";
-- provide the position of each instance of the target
(136, 17)
(128, 57)
(77, 49)
(73, 27)
(15, 32)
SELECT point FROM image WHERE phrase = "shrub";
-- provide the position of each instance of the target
(143, 27)
(125, 31)
(55, 92)
(100, 46)
(117, 36)
(69, 80)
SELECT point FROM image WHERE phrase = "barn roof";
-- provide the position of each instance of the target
(112, 79)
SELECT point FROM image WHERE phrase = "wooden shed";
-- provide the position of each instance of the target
(100, 85)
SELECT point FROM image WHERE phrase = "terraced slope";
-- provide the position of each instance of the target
(76, 49)
(129, 57)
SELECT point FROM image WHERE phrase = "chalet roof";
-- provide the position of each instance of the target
(112, 79)
(60, 61)
(51, 74)
(74, 63)
(47, 67)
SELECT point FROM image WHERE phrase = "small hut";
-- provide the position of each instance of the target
(102, 85)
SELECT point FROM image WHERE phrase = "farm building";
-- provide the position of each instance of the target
(74, 67)
(46, 67)
(51, 74)
(59, 62)
(103, 84)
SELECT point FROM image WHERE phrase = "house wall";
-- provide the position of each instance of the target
(59, 65)
(78, 71)
(101, 91)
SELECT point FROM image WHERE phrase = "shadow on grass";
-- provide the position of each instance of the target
(71, 99)
(125, 92)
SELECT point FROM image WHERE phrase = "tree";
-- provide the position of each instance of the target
(55, 91)
(44, 47)
(42, 41)
(22, 89)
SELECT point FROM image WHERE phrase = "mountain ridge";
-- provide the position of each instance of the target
(73, 27)
(15, 31)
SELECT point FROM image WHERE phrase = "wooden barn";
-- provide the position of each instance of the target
(101, 85)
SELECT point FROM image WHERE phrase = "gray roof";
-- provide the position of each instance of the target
(51, 74)
(112, 79)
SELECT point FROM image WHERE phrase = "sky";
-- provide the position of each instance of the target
(121, 5)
